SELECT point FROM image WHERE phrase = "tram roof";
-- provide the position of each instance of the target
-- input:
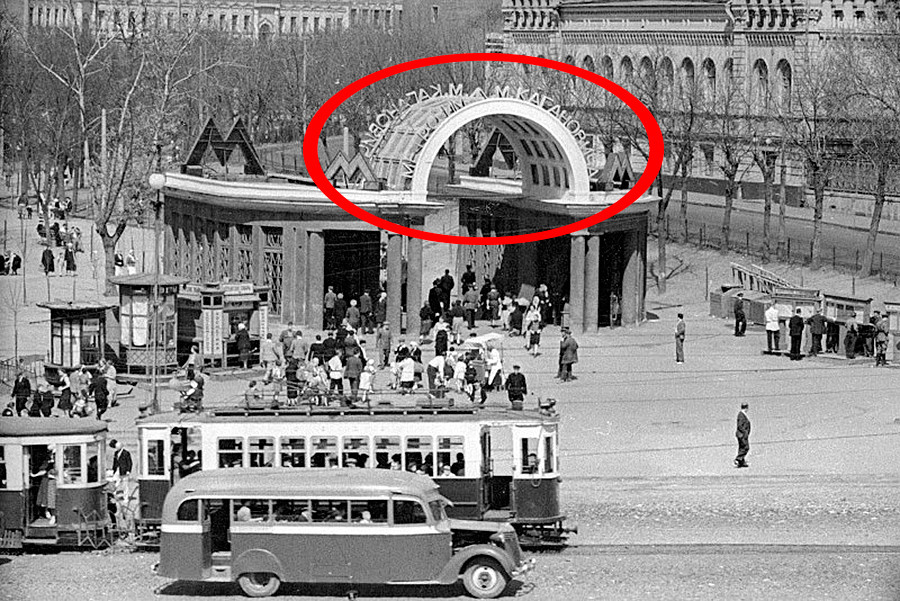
(312, 482)
(14, 427)
(335, 414)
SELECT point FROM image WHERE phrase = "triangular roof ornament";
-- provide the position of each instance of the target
(211, 139)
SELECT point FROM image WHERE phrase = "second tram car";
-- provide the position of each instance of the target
(72, 452)
(492, 464)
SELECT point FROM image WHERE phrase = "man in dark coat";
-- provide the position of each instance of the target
(568, 356)
(740, 319)
(516, 387)
(329, 346)
(468, 279)
(470, 305)
(48, 262)
(436, 301)
(21, 392)
(122, 463)
(242, 341)
(101, 393)
(817, 325)
(743, 437)
(447, 285)
(365, 312)
(795, 330)
(381, 309)
(15, 264)
(340, 309)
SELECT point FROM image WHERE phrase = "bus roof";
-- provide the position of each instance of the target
(299, 482)
(15, 427)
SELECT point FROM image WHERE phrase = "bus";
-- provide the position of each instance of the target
(264, 526)
(491, 463)
(74, 449)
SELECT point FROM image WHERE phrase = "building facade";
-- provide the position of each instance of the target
(763, 46)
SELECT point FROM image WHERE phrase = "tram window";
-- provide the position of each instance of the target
(329, 511)
(549, 463)
(189, 511)
(231, 452)
(250, 510)
(324, 451)
(291, 511)
(356, 451)
(387, 452)
(451, 460)
(529, 455)
(72, 464)
(419, 456)
(93, 462)
(369, 512)
(2, 467)
(262, 452)
(293, 452)
(155, 459)
(409, 512)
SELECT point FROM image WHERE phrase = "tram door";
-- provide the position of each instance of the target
(501, 445)
(35, 457)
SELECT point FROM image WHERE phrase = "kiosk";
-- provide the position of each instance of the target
(838, 309)
(893, 314)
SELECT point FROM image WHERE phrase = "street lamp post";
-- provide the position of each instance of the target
(157, 182)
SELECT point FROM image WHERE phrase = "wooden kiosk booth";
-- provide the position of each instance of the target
(209, 315)
(838, 309)
(136, 312)
(789, 299)
(77, 333)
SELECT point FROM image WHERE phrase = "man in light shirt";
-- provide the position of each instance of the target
(773, 329)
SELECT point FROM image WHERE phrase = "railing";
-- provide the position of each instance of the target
(92, 530)
(9, 368)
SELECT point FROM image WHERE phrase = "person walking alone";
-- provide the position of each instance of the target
(740, 318)
(795, 329)
(773, 328)
(743, 437)
(568, 356)
(881, 339)
(679, 339)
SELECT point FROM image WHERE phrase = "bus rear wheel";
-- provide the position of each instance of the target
(485, 579)
(259, 584)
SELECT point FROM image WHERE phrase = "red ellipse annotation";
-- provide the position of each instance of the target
(317, 123)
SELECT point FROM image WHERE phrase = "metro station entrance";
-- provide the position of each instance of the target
(352, 261)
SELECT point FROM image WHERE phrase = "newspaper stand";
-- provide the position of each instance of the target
(788, 300)
(838, 309)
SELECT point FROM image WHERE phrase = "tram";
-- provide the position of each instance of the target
(74, 450)
(492, 464)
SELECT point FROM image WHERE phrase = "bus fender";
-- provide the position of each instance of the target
(457, 563)
(257, 560)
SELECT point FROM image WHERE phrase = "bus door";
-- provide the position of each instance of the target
(502, 463)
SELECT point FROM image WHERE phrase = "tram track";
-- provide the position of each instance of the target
(597, 549)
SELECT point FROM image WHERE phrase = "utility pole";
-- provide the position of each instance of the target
(157, 182)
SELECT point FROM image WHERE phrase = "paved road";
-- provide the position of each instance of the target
(845, 241)
(638, 573)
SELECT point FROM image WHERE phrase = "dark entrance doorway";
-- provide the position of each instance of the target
(352, 261)
(553, 261)
(612, 266)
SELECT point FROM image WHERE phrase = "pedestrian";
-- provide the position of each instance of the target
(568, 355)
(516, 387)
(447, 285)
(286, 338)
(493, 304)
(468, 279)
(101, 393)
(45, 400)
(494, 363)
(340, 309)
(131, 263)
(122, 463)
(242, 341)
(381, 309)
(330, 298)
(16, 263)
(458, 318)
(773, 328)
(48, 262)
(109, 372)
(69, 258)
(267, 355)
(441, 339)
(253, 396)
(435, 374)
(407, 373)
(354, 316)
(383, 345)
(795, 329)
(336, 373)
(190, 365)
(299, 348)
(65, 393)
(425, 318)
(533, 322)
(544, 304)
(276, 379)
(881, 339)
(740, 318)
(614, 309)
(292, 381)
(352, 371)
(470, 305)
(365, 312)
(46, 497)
(435, 302)
(851, 336)
(516, 320)
(119, 262)
(817, 325)
(21, 392)
(743, 437)
(679, 339)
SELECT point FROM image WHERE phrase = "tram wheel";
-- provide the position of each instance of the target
(259, 584)
(485, 579)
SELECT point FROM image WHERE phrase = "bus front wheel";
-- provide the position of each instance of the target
(485, 579)
(259, 584)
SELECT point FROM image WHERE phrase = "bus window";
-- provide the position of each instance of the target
(189, 511)
(529, 456)
(262, 451)
(451, 460)
(409, 512)
(437, 510)
(291, 511)
(71, 463)
(369, 512)
(250, 510)
(93, 462)
(549, 456)
(419, 457)
(329, 511)
(155, 461)
(324, 451)
(231, 452)
(387, 452)
(356, 451)
(293, 452)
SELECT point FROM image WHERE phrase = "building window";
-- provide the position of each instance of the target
(305, 24)
(222, 22)
(246, 22)
(354, 16)
(434, 13)
(315, 24)
(234, 23)
(293, 24)
(280, 24)
(327, 23)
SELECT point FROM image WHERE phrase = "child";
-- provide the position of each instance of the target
(276, 377)
(367, 381)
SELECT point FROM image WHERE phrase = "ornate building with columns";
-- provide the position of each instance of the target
(763, 45)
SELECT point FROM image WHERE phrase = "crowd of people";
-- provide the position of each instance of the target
(81, 392)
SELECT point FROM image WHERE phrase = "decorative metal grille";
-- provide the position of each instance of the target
(223, 250)
(273, 237)
(274, 269)
(245, 235)
(245, 265)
